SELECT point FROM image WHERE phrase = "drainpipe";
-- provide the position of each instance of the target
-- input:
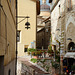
(16, 42)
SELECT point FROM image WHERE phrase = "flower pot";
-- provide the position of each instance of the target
(35, 57)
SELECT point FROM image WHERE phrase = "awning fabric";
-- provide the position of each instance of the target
(70, 55)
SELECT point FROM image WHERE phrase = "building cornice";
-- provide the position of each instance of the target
(34, 0)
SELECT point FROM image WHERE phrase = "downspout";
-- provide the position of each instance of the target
(0, 16)
(36, 26)
(16, 42)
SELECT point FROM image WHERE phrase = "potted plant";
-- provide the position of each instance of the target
(33, 60)
(28, 53)
(30, 50)
(73, 68)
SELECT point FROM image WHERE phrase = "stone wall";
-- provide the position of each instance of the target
(67, 22)
(43, 37)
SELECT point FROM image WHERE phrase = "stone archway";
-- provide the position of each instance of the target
(70, 33)
(71, 46)
(70, 20)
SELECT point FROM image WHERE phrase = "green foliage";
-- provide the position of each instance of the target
(55, 65)
(47, 68)
(42, 61)
(73, 67)
(58, 58)
(44, 66)
(31, 50)
(50, 51)
(35, 53)
(33, 60)
(50, 47)
(38, 60)
(28, 53)
(57, 52)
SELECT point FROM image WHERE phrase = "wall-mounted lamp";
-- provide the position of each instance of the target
(27, 24)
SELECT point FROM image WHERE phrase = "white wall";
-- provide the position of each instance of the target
(54, 21)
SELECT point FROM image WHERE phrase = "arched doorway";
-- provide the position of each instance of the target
(70, 34)
(71, 46)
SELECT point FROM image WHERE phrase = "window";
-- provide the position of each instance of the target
(18, 36)
(25, 48)
(69, 5)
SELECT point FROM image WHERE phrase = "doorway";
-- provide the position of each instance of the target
(1, 65)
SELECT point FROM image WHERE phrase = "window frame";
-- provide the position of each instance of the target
(19, 35)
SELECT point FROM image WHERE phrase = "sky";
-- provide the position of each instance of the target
(47, 1)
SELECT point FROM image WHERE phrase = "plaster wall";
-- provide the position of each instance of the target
(10, 67)
(26, 8)
(7, 31)
(54, 22)
(8, 35)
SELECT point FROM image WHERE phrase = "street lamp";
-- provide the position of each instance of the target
(27, 24)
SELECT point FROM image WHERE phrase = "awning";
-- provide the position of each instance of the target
(70, 55)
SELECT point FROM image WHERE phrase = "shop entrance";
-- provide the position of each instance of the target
(69, 65)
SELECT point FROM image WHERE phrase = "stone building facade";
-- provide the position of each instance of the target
(8, 37)
(43, 36)
(65, 27)
(43, 26)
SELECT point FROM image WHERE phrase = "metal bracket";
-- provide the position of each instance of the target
(23, 18)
